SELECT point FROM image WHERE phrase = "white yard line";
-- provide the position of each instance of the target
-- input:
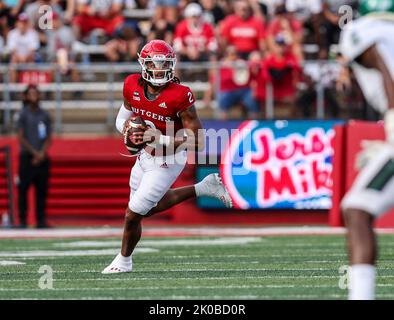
(251, 286)
(175, 270)
(10, 263)
(262, 286)
(162, 242)
(212, 270)
(160, 278)
(216, 297)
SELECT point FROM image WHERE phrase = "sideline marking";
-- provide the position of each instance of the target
(176, 232)
(10, 263)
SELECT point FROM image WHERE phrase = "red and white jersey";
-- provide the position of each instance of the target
(201, 38)
(243, 34)
(356, 37)
(162, 112)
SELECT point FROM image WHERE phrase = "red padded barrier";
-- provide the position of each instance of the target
(346, 150)
(89, 185)
(335, 218)
(3, 185)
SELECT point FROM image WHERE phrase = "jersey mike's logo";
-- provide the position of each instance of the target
(280, 164)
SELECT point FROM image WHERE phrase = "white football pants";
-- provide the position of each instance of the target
(373, 189)
(151, 177)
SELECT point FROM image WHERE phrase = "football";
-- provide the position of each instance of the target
(133, 125)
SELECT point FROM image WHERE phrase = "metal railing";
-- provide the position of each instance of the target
(110, 87)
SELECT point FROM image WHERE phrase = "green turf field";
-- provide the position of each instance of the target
(292, 267)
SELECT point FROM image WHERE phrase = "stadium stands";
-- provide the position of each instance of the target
(96, 91)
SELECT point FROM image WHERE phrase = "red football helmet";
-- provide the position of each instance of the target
(157, 59)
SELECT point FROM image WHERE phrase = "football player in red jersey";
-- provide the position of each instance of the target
(167, 107)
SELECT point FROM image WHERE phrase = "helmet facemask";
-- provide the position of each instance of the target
(157, 70)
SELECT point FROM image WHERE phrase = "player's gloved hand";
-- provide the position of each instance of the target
(370, 148)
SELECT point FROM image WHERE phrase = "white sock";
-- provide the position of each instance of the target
(362, 282)
(124, 259)
(201, 189)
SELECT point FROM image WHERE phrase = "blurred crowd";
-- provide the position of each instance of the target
(257, 41)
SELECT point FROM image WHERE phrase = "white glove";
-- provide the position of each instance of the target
(389, 125)
(370, 148)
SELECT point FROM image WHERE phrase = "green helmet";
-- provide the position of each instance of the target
(376, 6)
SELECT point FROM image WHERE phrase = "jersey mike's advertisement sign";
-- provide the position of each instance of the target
(280, 165)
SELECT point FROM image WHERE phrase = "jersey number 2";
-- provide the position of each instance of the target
(190, 95)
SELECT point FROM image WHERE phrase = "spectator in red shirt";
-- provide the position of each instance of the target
(288, 28)
(97, 14)
(281, 69)
(194, 38)
(258, 76)
(234, 87)
(243, 30)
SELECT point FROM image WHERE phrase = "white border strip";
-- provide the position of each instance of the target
(174, 232)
